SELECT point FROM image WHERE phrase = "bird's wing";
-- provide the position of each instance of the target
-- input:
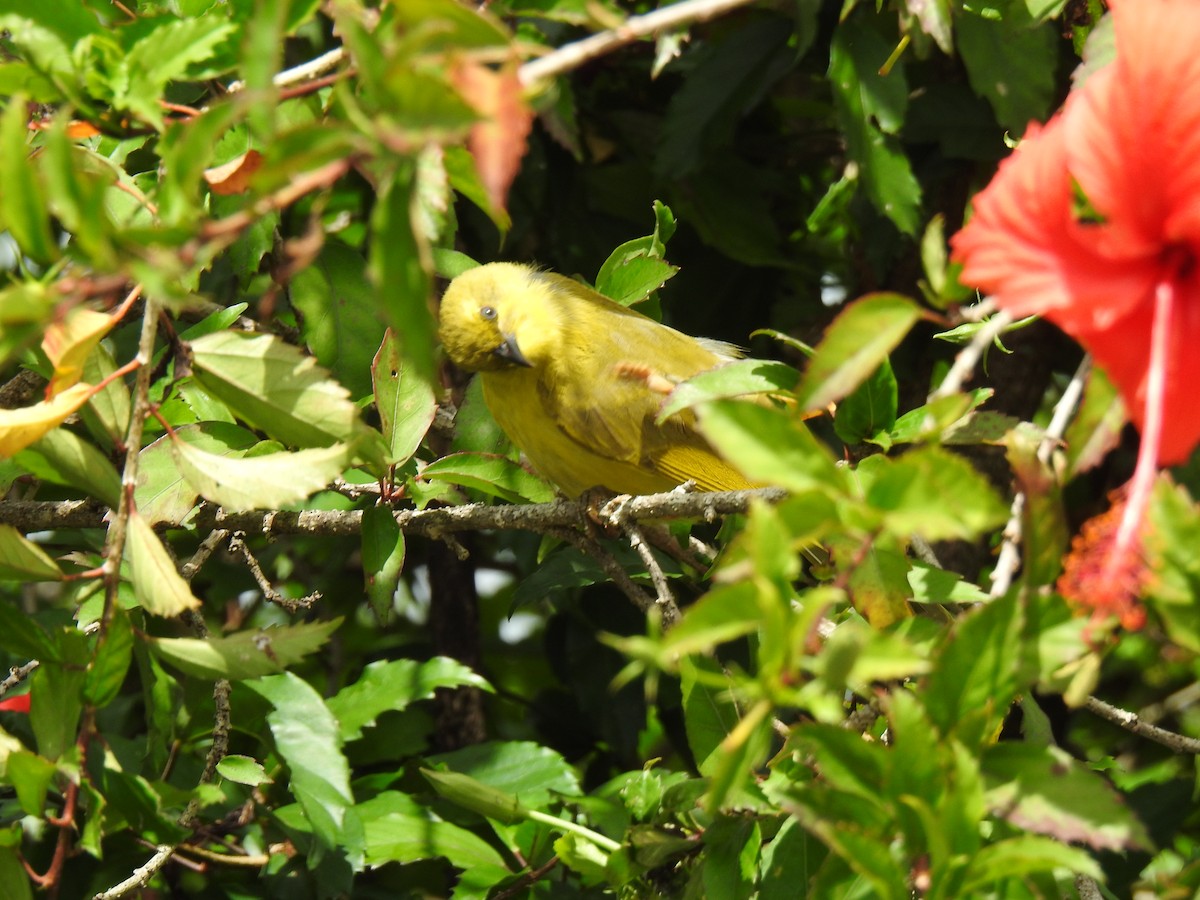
(610, 396)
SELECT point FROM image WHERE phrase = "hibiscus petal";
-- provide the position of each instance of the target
(1024, 247)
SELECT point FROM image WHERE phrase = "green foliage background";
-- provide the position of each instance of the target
(391, 713)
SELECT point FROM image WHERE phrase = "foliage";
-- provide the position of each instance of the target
(295, 633)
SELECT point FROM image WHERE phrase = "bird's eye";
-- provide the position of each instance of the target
(488, 313)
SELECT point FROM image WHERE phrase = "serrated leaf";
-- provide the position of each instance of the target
(1046, 791)
(246, 654)
(157, 585)
(163, 55)
(930, 492)
(270, 385)
(162, 493)
(529, 772)
(23, 560)
(392, 685)
(272, 481)
(855, 345)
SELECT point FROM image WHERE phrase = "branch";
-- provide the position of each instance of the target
(572, 56)
(35, 515)
(1177, 743)
(16, 675)
(968, 356)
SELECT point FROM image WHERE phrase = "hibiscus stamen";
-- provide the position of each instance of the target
(1152, 422)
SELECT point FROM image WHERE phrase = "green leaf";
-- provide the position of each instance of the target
(270, 385)
(309, 742)
(856, 343)
(271, 481)
(111, 662)
(246, 654)
(710, 713)
(529, 772)
(1172, 592)
(1044, 531)
(23, 636)
(732, 860)
(735, 379)
(930, 421)
(791, 858)
(399, 266)
(406, 402)
(340, 314)
(31, 776)
(56, 704)
(1046, 791)
(979, 671)
(157, 585)
(162, 493)
(23, 560)
(1011, 61)
(23, 209)
(164, 54)
(382, 558)
(399, 829)
(495, 476)
(1025, 855)
(871, 108)
(243, 770)
(870, 408)
(1096, 427)
(771, 446)
(930, 492)
(391, 686)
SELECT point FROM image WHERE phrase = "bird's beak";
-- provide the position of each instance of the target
(511, 352)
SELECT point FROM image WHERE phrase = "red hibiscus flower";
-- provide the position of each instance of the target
(1094, 223)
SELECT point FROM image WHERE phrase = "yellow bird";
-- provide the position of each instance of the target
(577, 380)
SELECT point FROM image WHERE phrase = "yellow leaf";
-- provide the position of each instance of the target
(157, 585)
(67, 345)
(21, 427)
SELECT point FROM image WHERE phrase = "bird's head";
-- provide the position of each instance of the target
(498, 316)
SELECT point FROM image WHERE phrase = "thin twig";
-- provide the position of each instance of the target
(572, 56)
(141, 875)
(1177, 743)
(302, 72)
(662, 588)
(16, 675)
(1009, 558)
(237, 544)
(620, 578)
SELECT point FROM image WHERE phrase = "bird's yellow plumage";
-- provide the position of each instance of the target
(576, 381)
